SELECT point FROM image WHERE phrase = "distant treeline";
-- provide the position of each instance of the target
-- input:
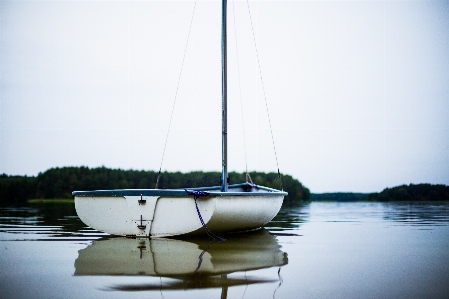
(420, 192)
(339, 196)
(61, 182)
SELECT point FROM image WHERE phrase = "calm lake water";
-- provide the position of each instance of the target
(319, 250)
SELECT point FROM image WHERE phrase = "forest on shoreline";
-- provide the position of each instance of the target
(411, 192)
(61, 182)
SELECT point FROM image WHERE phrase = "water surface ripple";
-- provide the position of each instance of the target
(316, 250)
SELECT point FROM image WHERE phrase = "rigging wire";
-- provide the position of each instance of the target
(264, 94)
(176, 95)
(240, 93)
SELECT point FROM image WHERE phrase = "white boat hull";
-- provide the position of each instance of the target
(161, 215)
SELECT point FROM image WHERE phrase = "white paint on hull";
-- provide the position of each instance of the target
(163, 216)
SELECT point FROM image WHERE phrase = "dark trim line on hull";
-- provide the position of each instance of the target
(234, 190)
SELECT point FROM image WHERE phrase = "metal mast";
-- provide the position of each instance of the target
(224, 125)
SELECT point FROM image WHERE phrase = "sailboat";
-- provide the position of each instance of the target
(173, 212)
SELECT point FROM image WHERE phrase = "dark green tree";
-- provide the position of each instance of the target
(419, 192)
(61, 182)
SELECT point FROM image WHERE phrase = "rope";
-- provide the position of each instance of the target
(199, 194)
(264, 94)
(280, 282)
(176, 95)
(251, 185)
(200, 257)
(248, 177)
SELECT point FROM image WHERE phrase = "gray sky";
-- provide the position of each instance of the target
(358, 91)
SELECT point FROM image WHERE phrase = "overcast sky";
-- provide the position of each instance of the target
(357, 91)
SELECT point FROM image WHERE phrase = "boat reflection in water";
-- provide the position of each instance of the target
(191, 263)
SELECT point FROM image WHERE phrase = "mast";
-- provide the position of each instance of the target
(224, 100)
